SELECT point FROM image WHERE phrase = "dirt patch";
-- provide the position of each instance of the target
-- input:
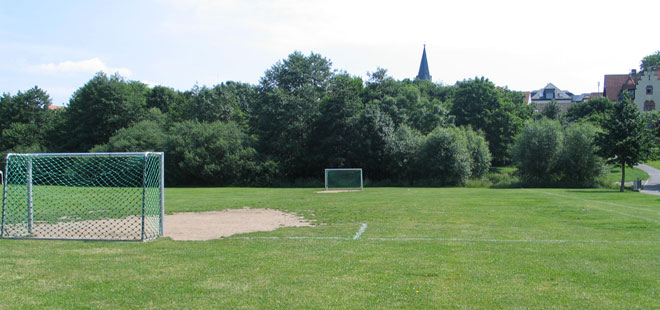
(127, 228)
(218, 224)
(339, 191)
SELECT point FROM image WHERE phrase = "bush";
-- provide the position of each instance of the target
(546, 155)
(143, 136)
(479, 153)
(444, 158)
(537, 150)
(578, 164)
(214, 154)
(401, 151)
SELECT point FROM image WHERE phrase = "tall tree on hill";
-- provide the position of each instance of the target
(625, 140)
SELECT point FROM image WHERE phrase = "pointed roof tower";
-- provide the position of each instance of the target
(424, 73)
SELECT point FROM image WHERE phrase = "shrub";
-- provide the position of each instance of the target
(443, 158)
(537, 150)
(578, 164)
(214, 154)
(401, 151)
(479, 153)
(142, 136)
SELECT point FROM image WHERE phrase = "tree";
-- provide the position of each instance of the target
(401, 152)
(551, 110)
(288, 104)
(472, 100)
(333, 130)
(214, 153)
(444, 158)
(492, 110)
(30, 107)
(370, 138)
(625, 140)
(579, 164)
(100, 108)
(479, 154)
(537, 150)
(593, 110)
(143, 136)
(163, 98)
(650, 61)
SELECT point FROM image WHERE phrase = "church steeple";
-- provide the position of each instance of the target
(424, 73)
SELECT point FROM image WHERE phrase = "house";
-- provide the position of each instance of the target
(643, 87)
(647, 92)
(615, 84)
(551, 93)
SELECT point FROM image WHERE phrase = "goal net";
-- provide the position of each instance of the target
(343, 178)
(84, 196)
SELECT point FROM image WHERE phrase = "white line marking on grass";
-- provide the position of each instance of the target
(359, 233)
(515, 240)
(290, 238)
(607, 203)
(651, 242)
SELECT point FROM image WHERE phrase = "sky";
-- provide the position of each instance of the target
(523, 45)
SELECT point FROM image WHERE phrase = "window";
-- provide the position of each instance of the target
(649, 105)
(631, 92)
(549, 94)
(649, 90)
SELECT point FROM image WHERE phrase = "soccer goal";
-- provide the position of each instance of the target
(343, 179)
(84, 196)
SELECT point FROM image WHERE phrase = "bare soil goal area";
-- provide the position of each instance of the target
(218, 224)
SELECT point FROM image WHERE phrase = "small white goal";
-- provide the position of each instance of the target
(344, 179)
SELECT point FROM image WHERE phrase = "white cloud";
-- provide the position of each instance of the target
(91, 65)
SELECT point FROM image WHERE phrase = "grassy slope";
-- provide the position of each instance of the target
(631, 174)
(475, 248)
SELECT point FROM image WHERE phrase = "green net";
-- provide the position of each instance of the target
(344, 178)
(90, 196)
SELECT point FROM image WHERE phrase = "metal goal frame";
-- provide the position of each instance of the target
(344, 169)
(75, 204)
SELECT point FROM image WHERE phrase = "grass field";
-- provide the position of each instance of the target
(420, 248)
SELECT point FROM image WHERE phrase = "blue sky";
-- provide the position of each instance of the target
(59, 45)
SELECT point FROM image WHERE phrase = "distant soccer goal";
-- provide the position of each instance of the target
(84, 196)
(344, 179)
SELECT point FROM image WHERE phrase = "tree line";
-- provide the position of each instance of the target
(302, 116)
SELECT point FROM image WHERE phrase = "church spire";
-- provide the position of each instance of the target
(424, 73)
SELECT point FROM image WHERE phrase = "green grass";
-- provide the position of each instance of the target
(449, 248)
(632, 174)
(655, 164)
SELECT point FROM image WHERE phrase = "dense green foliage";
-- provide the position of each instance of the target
(302, 117)
(547, 154)
(424, 248)
(650, 61)
(593, 110)
(537, 151)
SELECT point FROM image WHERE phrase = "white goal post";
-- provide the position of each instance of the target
(84, 196)
(344, 178)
